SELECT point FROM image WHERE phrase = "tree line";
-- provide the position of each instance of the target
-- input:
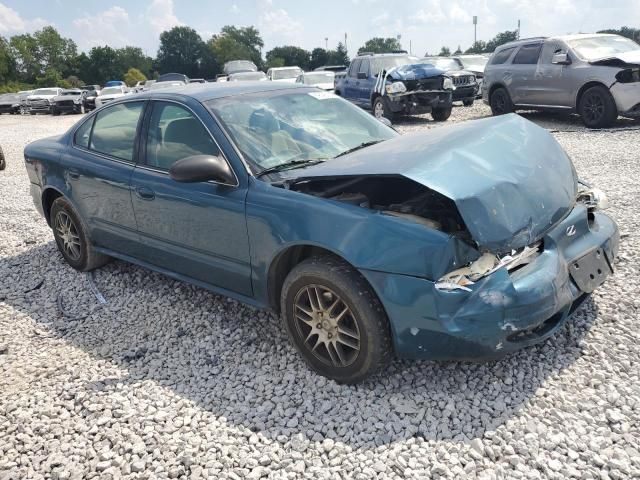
(46, 58)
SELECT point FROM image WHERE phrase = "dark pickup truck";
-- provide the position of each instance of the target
(397, 83)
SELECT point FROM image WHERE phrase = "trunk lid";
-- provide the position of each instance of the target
(509, 179)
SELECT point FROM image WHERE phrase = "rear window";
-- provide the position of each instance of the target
(502, 56)
(527, 55)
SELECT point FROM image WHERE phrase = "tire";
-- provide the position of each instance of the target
(3, 162)
(381, 109)
(69, 229)
(441, 114)
(55, 112)
(323, 286)
(597, 108)
(468, 102)
(500, 102)
(32, 113)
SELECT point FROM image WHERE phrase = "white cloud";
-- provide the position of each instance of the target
(110, 27)
(161, 16)
(278, 23)
(11, 22)
(234, 9)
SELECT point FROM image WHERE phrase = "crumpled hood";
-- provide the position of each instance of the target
(629, 58)
(414, 71)
(40, 97)
(510, 180)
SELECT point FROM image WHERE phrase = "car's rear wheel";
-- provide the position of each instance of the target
(335, 320)
(441, 114)
(55, 112)
(72, 238)
(381, 109)
(3, 162)
(500, 102)
(597, 108)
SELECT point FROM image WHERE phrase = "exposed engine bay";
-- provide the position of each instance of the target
(392, 195)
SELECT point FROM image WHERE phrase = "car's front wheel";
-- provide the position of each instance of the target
(381, 109)
(335, 320)
(72, 238)
(500, 102)
(468, 102)
(597, 108)
(3, 162)
(441, 114)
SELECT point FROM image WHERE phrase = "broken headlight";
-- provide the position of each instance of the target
(396, 87)
(593, 197)
(447, 84)
(488, 263)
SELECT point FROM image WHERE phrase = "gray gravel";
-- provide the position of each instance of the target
(167, 380)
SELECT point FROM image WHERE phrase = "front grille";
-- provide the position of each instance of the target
(65, 103)
(39, 103)
(424, 84)
(462, 80)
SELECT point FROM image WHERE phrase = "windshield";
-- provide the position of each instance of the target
(72, 92)
(593, 48)
(248, 76)
(239, 66)
(111, 90)
(387, 63)
(159, 85)
(282, 126)
(45, 91)
(317, 78)
(474, 63)
(286, 73)
(442, 63)
(89, 88)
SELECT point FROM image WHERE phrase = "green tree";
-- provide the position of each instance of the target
(478, 47)
(500, 39)
(134, 76)
(319, 57)
(445, 52)
(181, 51)
(225, 48)
(291, 55)
(54, 51)
(7, 62)
(339, 56)
(74, 81)
(134, 57)
(249, 37)
(102, 65)
(629, 32)
(52, 78)
(458, 51)
(275, 62)
(24, 49)
(380, 45)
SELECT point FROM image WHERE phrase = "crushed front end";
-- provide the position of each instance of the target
(511, 305)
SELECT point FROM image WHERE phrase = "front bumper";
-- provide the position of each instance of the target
(419, 102)
(66, 107)
(465, 92)
(505, 311)
(40, 108)
(627, 98)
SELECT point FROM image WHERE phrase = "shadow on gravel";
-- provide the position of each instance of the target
(235, 361)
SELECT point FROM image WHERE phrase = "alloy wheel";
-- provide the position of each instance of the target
(378, 110)
(593, 107)
(68, 234)
(327, 325)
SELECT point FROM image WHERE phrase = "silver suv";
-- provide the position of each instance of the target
(594, 75)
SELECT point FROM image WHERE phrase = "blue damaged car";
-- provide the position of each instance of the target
(462, 242)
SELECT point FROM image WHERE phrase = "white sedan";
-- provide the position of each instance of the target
(111, 93)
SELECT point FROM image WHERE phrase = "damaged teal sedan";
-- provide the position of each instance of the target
(463, 242)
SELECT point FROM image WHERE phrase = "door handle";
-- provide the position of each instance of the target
(74, 175)
(145, 193)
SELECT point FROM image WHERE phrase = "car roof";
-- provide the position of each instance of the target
(210, 91)
(577, 36)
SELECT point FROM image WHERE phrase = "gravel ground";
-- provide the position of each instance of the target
(168, 380)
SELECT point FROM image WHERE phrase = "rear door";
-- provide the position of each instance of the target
(555, 81)
(351, 82)
(196, 229)
(98, 169)
(365, 85)
(525, 87)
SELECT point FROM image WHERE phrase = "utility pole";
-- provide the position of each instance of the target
(410, 52)
(518, 29)
(326, 43)
(345, 41)
(399, 37)
(475, 29)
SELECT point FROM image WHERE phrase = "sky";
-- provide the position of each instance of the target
(424, 25)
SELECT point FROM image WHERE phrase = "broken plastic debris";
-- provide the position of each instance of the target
(452, 286)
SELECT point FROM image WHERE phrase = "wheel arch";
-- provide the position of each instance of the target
(49, 195)
(494, 87)
(584, 88)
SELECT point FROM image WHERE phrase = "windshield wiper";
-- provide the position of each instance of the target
(358, 147)
(289, 166)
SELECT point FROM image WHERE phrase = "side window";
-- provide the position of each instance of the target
(81, 138)
(115, 128)
(353, 69)
(364, 67)
(528, 55)
(502, 56)
(175, 133)
(549, 50)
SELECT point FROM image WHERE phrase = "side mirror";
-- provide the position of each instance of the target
(202, 168)
(561, 59)
(362, 76)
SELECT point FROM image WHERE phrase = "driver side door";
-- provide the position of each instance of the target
(195, 229)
